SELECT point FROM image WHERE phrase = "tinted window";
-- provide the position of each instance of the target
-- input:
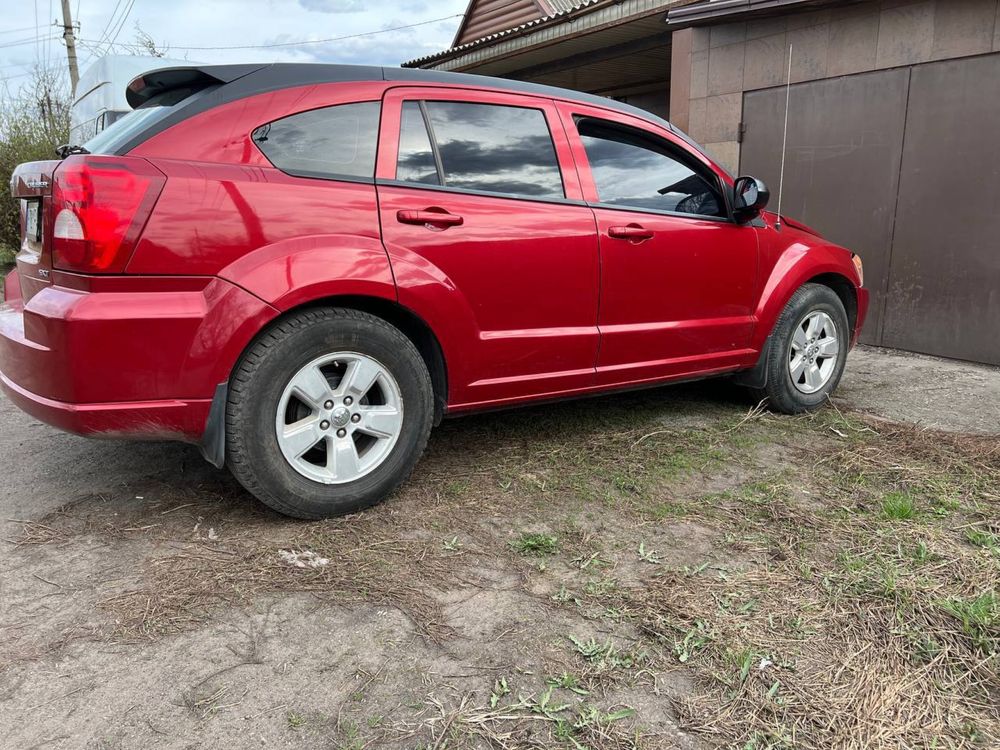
(123, 127)
(416, 158)
(630, 169)
(492, 148)
(331, 142)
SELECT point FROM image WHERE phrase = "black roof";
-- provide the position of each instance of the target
(220, 84)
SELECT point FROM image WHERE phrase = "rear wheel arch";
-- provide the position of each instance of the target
(412, 326)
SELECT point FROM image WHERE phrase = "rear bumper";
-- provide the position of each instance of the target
(128, 356)
(145, 420)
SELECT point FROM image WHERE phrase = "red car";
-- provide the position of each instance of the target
(302, 268)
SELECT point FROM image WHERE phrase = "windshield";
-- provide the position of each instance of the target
(132, 124)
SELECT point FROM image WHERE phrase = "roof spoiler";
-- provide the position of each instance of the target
(151, 83)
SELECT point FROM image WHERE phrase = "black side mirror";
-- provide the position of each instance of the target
(750, 197)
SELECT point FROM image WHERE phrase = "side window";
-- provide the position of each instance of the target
(333, 143)
(638, 171)
(483, 147)
(416, 157)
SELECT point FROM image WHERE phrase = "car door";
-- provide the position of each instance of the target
(489, 239)
(677, 274)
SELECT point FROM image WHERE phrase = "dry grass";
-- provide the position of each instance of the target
(851, 599)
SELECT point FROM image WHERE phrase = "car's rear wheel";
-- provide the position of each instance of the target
(808, 350)
(328, 413)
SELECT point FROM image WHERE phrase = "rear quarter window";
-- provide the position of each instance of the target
(331, 143)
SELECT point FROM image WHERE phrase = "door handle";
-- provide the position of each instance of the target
(631, 232)
(432, 218)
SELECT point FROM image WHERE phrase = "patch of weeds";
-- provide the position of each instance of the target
(500, 690)
(648, 555)
(567, 681)
(296, 721)
(564, 596)
(451, 545)
(979, 616)
(535, 544)
(606, 656)
(899, 506)
(984, 539)
(693, 641)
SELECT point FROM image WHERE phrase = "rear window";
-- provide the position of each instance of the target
(127, 127)
(331, 143)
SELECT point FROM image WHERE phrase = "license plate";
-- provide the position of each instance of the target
(33, 222)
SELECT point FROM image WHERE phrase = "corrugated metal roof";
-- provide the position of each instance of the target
(572, 6)
(561, 5)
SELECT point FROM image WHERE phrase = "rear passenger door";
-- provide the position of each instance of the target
(478, 191)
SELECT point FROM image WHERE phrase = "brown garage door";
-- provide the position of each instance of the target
(903, 166)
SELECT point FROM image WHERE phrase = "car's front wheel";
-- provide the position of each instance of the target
(808, 350)
(328, 412)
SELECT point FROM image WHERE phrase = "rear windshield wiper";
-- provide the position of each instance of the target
(68, 150)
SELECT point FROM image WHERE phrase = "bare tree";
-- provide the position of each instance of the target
(146, 45)
(34, 120)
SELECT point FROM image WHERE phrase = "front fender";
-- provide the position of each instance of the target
(797, 264)
(302, 269)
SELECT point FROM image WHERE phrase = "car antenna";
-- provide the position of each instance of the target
(784, 138)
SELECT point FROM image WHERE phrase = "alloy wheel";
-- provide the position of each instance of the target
(339, 417)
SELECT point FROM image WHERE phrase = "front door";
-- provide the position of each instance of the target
(472, 196)
(677, 275)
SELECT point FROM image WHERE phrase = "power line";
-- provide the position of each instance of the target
(121, 23)
(309, 41)
(33, 40)
(14, 31)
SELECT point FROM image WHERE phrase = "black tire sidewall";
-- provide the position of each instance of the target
(255, 409)
(781, 391)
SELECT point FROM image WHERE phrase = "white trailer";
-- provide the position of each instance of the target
(101, 92)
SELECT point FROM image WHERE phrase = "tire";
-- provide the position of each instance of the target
(791, 395)
(263, 398)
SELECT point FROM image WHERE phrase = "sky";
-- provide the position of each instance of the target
(213, 25)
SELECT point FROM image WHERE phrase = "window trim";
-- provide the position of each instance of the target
(423, 100)
(328, 176)
(431, 139)
(384, 182)
(672, 151)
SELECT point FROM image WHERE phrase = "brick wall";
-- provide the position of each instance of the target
(711, 67)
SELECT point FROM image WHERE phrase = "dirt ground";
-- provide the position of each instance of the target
(673, 568)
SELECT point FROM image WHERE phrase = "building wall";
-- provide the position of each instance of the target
(711, 67)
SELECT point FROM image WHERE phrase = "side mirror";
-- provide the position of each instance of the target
(750, 198)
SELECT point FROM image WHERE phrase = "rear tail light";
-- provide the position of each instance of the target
(100, 205)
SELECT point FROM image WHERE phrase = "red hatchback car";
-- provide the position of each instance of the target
(302, 268)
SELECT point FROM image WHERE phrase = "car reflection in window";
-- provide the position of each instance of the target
(631, 170)
(495, 149)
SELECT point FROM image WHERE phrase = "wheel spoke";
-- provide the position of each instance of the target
(359, 378)
(298, 438)
(814, 378)
(829, 347)
(342, 458)
(311, 386)
(799, 339)
(797, 366)
(815, 325)
(380, 421)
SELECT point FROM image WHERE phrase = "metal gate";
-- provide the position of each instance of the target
(902, 166)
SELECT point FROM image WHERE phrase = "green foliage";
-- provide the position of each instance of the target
(537, 545)
(33, 122)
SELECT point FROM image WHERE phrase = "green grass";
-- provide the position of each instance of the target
(899, 506)
(7, 255)
(984, 539)
(978, 616)
(535, 544)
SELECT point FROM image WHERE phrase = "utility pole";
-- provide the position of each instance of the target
(74, 72)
